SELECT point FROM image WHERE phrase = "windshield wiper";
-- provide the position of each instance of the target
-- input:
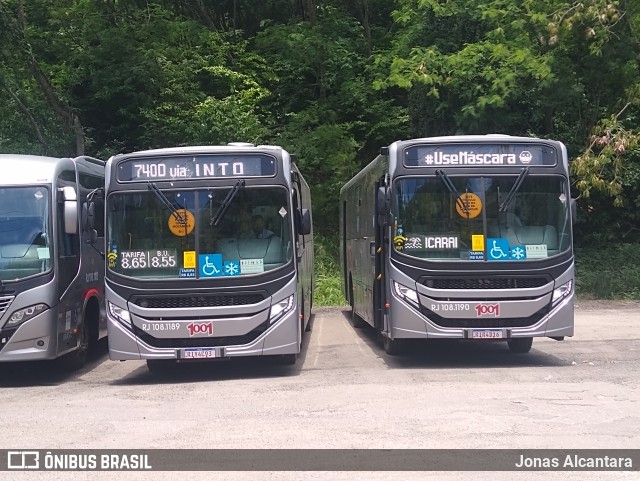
(167, 203)
(452, 188)
(514, 189)
(226, 202)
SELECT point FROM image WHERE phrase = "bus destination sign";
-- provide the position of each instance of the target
(479, 155)
(196, 167)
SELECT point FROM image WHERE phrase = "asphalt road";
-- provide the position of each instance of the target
(345, 392)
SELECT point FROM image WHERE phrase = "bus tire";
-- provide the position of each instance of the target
(287, 359)
(159, 365)
(520, 345)
(78, 358)
(393, 347)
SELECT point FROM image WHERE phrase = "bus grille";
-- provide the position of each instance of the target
(485, 322)
(180, 302)
(485, 283)
(5, 302)
(201, 341)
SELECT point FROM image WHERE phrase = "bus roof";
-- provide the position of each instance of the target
(20, 169)
(201, 149)
(474, 138)
(27, 169)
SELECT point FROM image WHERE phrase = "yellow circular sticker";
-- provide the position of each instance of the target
(469, 205)
(181, 222)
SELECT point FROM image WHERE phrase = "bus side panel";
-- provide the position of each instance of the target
(306, 262)
(358, 235)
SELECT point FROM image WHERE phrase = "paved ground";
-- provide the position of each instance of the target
(345, 392)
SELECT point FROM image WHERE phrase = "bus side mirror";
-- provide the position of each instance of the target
(88, 216)
(305, 222)
(70, 211)
(383, 203)
(573, 205)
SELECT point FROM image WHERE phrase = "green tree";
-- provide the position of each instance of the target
(566, 70)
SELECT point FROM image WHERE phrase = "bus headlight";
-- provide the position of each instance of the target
(279, 309)
(120, 314)
(25, 314)
(406, 293)
(561, 292)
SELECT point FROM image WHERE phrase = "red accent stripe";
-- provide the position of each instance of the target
(90, 293)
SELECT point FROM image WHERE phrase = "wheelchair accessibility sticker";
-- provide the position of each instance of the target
(210, 265)
(498, 249)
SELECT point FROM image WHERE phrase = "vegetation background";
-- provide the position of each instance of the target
(333, 81)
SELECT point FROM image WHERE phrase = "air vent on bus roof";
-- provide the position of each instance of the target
(240, 144)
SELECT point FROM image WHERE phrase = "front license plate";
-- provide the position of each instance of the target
(198, 353)
(487, 334)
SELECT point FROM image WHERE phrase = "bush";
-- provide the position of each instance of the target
(608, 272)
(328, 291)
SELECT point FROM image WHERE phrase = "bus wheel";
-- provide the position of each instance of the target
(158, 365)
(287, 359)
(520, 345)
(78, 358)
(392, 346)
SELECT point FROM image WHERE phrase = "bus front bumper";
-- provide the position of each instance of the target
(33, 340)
(283, 337)
(405, 321)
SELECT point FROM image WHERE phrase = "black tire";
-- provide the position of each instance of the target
(393, 347)
(78, 358)
(287, 359)
(159, 365)
(520, 345)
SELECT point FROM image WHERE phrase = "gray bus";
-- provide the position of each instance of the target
(51, 270)
(461, 237)
(209, 254)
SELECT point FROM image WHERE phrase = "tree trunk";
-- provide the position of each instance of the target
(64, 112)
(27, 114)
(309, 11)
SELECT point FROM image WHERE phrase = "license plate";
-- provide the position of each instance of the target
(487, 334)
(198, 353)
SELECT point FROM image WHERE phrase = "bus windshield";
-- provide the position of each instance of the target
(520, 217)
(25, 233)
(172, 234)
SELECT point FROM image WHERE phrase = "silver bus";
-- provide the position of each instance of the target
(461, 237)
(51, 270)
(209, 254)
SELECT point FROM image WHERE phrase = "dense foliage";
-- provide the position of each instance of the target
(332, 81)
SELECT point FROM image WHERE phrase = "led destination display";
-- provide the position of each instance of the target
(479, 155)
(196, 167)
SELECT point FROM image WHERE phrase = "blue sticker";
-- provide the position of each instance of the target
(210, 265)
(231, 268)
(187, 273)
(518, 253)
(497, 249)
(476, 255)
